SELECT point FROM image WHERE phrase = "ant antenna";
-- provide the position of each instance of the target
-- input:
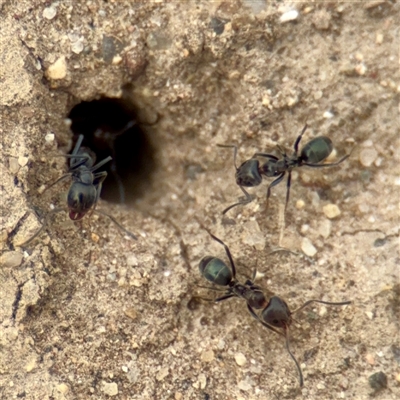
(231, 146)
(343, 303)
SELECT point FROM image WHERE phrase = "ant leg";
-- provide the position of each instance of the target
(272, 184)
(222, 298)
(296, 143)
(265, 155)
(101, 163)
(343, 303)
(45, 223)
(227, 251)
(57, 181)
(253, 313)
(289, 179)
(101, 176)
(121, 188)
(248, 199)
(130, 234)
(229, 146)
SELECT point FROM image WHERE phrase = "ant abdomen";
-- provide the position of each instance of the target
(215, 271)
(316, 150)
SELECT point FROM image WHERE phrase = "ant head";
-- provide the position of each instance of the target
(215, 271)
(81, 198)
(277, 313)
(248, 175)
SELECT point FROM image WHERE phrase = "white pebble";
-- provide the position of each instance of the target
(49, 12)
(22, 161)
(368, 156)
(110, 389)
(244, 385)
(49, 137)
(323, 311)
(77, 47)
(300, 204)
(328, 115)
(331, 211)
(325, 228)
(240, 359)
(369, 314)
(57, 70)
(308, 248)
(289, 16)
(202, 381)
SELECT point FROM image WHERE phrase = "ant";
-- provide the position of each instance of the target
(250, 173)
(84, 192)
(274, 314)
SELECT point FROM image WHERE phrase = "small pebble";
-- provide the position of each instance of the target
(368, 156)
(289, 16)
(308, 248)
(244, 385)
(369, 314)
(361, 69)
(110, 389)
(240, 359)
(49, 137)
(207, 356)
(370, 359)
(124, 368)
(31, 365)
(62, 388)
(323, 310)
(325, 228)
(202, 381)
(77, 47)
(13, 165)
(11, 259)
(378, 380)
(321, 20)
(379, 38)
(57, 70)
(131, 313)
(328, 115)
(300, 204)
(50, 12)
(22, 161)
(95, 237)
(164, 372)
(331, 211)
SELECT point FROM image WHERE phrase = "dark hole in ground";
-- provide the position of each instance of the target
(111, 128)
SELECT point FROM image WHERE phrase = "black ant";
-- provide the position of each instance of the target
(250, 173)
(275, 312)
(84, 192)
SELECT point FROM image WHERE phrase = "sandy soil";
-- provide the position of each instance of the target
(88, 313)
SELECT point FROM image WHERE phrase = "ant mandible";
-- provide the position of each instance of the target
(84, 192)
(275, 312)
(250, 173)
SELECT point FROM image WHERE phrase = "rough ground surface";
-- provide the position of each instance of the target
(86, 313)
